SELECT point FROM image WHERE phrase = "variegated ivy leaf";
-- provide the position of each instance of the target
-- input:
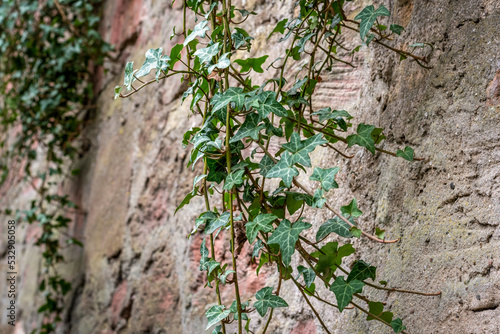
(245, 12)
(129, 75)
(266, 299)
(212, 265)
(199, 31)
(318, 200)
(118, 91)
(204, 256)
(344, 290)
(300, 149)
(368, 16)
(154, 60)
(223, 63)
(263, 222)
(205, 55)
(285, 236)
(214, 224)
(284, 170)
(336, 20)
(223, 276)
(216, 314)
(326, 177)
(335, 225)
(234, 179)
(309, 275)
(232, 94)
(250, 128)
(198, 179)
(256, 248)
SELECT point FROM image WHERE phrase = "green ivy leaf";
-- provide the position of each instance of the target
(214, 224)
(300, 149)
(199, 31)
(379, 233)
(175, 54)
(351, 209)
(344, 290)
(377, 309)
(205, 55)
(263, 222)
(361, 271)
(363, 137)
(397, 29)
(252, 63)
(407, 154)
(368, 16)
(268, 104)
(216, 314)
(335, 225)
(285, 236)
(293, 204)
(326, 177)
(249, 128)
(280, 27)
(266, 164)
(377, 135)
(234, 179)
(327, 113)
(330, 257)
(355, 231)
(309, 275)
(397, 325)
(266, 299)
(187, 199)
(284, 170)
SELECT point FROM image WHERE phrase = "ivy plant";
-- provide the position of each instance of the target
(254, 141)
(50, 50)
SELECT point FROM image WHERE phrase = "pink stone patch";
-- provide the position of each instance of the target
(305, 327)
(493, 91)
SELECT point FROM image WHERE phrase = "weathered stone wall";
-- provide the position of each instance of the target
(139, 274)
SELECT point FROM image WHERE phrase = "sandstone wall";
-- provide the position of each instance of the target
(139, 274)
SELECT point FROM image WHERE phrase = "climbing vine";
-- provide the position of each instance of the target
(50, 50)
(255, 141)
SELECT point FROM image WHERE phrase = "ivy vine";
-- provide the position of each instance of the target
(50, 50)
(246, 180)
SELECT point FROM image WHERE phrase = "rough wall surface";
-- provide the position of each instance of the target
(139, 274)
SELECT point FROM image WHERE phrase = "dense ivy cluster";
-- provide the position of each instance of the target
(49, 51)
(240, 120)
